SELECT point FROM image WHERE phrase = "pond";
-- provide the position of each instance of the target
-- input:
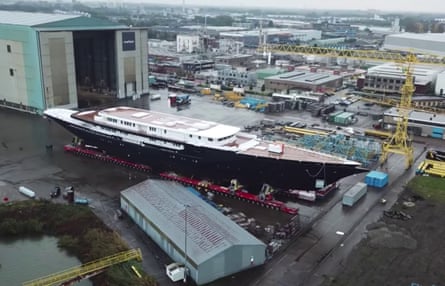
(22, 260)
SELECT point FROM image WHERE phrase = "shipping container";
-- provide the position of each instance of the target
(81, 201)
(376, 179)
(354, 194)
(27, 192)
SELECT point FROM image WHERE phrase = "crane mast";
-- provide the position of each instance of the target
(400, 141)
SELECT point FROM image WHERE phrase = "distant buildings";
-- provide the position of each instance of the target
(188, 44)
(239, 60)
(337, 30)
(237, 77)
(272, 35)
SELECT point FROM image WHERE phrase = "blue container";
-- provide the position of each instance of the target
(81, 201)
(376, 179)
(437, 130)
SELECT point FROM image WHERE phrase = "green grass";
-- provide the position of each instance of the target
(430, 188)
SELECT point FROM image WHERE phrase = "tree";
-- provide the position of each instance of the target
(263, 87)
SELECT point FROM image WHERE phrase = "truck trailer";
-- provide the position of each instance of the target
(354, 194)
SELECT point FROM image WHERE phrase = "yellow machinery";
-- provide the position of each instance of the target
(399, 142)
(261, 106)
(304, 131)
(206, 91)
(232, 95)
(377, 133)
(85, 270)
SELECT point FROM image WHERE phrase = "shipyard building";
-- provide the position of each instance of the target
(49, 60)
(390, 77)
(304, 80)
(420, 123)
(189, 229)
(429, 43)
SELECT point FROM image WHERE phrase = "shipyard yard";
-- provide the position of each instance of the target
(33, 156)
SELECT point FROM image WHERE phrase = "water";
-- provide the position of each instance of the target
(26, 259)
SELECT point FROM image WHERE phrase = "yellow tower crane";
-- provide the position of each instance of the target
(399, 142)
(85, 270)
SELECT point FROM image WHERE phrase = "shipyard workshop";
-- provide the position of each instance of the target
(192, 232)
(68, 60)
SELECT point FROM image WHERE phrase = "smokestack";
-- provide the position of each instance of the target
(183, 6)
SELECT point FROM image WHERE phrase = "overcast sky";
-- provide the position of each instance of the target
(437, 6)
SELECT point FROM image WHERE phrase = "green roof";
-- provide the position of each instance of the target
(81, 23)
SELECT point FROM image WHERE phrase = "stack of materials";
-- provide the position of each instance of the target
(376, 179)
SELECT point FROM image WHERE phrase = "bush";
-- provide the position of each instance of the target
(71, 244)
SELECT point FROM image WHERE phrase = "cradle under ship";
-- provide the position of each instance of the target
(202, 149)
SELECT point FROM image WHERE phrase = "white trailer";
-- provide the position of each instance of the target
(27, 192)
(175, 271)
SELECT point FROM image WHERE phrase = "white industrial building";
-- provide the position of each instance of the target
(230, 46)
(426, 124)
(272, 35)
(389, 78)
(429, 43)
(440, 84)
(188, 43)
(191, 231)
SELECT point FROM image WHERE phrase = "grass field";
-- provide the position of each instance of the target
(430, 188)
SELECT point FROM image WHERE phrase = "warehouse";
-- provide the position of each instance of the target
(187, 228)
(390, 77)
(49, 60)
(302, 79)
(429, 43)
(419, 123)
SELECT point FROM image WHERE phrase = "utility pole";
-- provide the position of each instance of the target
(185, 242)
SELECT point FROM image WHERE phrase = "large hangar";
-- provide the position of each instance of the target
(429, 43)
(49, 60)
(187, 228)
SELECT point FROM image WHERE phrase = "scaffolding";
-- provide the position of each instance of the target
(360, 149)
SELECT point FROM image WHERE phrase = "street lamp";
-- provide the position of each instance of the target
(186, 206)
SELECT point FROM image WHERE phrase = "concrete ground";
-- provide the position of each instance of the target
(31, 155)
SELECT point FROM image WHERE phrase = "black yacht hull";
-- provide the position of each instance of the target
(218, 166)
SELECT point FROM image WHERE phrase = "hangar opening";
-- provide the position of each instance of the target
(95, 65)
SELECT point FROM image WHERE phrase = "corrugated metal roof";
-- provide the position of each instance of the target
(427, 118)
(31, 19)
(437, 37)
(55, 22)
(209, 232)
(81, 23)
(303, 76)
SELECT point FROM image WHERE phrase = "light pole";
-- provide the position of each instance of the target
(185, 242)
